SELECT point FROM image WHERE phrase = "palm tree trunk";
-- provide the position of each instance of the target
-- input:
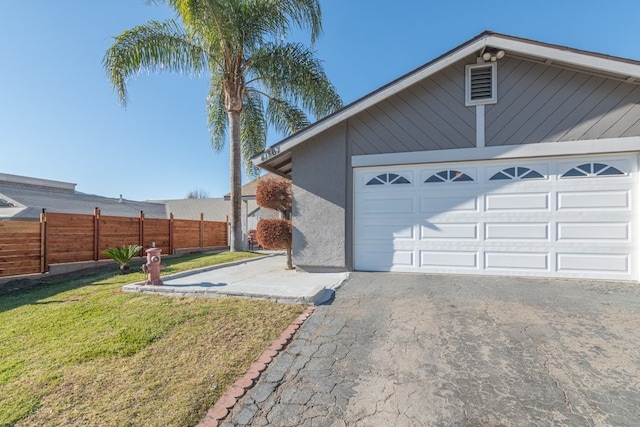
(236, 183)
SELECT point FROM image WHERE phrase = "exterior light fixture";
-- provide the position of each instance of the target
(493, 56)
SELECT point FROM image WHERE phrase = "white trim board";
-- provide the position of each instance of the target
(480, 129)
(542, 149)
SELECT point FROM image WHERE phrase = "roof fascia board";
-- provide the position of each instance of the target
(565, 55)
(376, 97)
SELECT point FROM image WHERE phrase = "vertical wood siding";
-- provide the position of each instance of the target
(430, 115)
(538, 102)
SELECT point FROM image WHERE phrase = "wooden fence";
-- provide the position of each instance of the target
(29, 247)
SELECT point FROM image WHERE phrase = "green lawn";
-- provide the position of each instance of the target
(82, 352)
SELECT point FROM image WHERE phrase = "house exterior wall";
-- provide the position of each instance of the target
(319, 213)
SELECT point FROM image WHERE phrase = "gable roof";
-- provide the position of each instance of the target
(24, 198)
(277, 158)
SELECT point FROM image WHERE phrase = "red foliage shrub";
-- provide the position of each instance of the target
(274, 193)
(274, 233)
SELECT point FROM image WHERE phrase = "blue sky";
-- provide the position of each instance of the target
(60, 119)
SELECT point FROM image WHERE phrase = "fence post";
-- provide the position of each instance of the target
(96, 233)
(43, 241)
(171, 248)
(201, 230)
(141, 239)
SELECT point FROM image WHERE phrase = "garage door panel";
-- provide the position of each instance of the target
(449, 231)
(595, 231)
(593, 200)
(375, 232)
(449, 259)
(517, 231)
(517, 261)
(582, 225)
(517, 201)
(455, 203)
(388, 206)
(586, 264)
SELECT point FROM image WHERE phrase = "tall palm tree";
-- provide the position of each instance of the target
(257, 78)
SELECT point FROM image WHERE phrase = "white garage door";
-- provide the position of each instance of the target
(569, 217)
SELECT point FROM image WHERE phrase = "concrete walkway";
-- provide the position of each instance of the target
(429, 350)
(264, 278)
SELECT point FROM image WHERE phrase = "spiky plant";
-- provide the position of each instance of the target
(122, 255)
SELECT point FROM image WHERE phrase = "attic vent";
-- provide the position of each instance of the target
(481, 87)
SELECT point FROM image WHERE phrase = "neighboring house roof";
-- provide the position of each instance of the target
(24, 198)
(213, 209)
(277, 158)
(30, 202)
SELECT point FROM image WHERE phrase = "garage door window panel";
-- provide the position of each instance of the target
(448, 176)
(388, 178)
(516, 172)
(591, 170)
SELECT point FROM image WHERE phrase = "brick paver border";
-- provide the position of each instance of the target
(221, 408)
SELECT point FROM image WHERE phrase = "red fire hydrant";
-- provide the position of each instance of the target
(153, 265)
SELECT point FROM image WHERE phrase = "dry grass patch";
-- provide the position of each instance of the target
(88, 354)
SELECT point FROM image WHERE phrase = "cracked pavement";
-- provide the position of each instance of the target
(409, 350)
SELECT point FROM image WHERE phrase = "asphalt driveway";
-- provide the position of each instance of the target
(404, 350)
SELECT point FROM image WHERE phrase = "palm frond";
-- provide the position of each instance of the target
(217, 115)
(285, 117)
(253, 131)
(304, 14)
(291, 72)
(154, 46)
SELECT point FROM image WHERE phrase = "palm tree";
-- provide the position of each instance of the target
(257, 78)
